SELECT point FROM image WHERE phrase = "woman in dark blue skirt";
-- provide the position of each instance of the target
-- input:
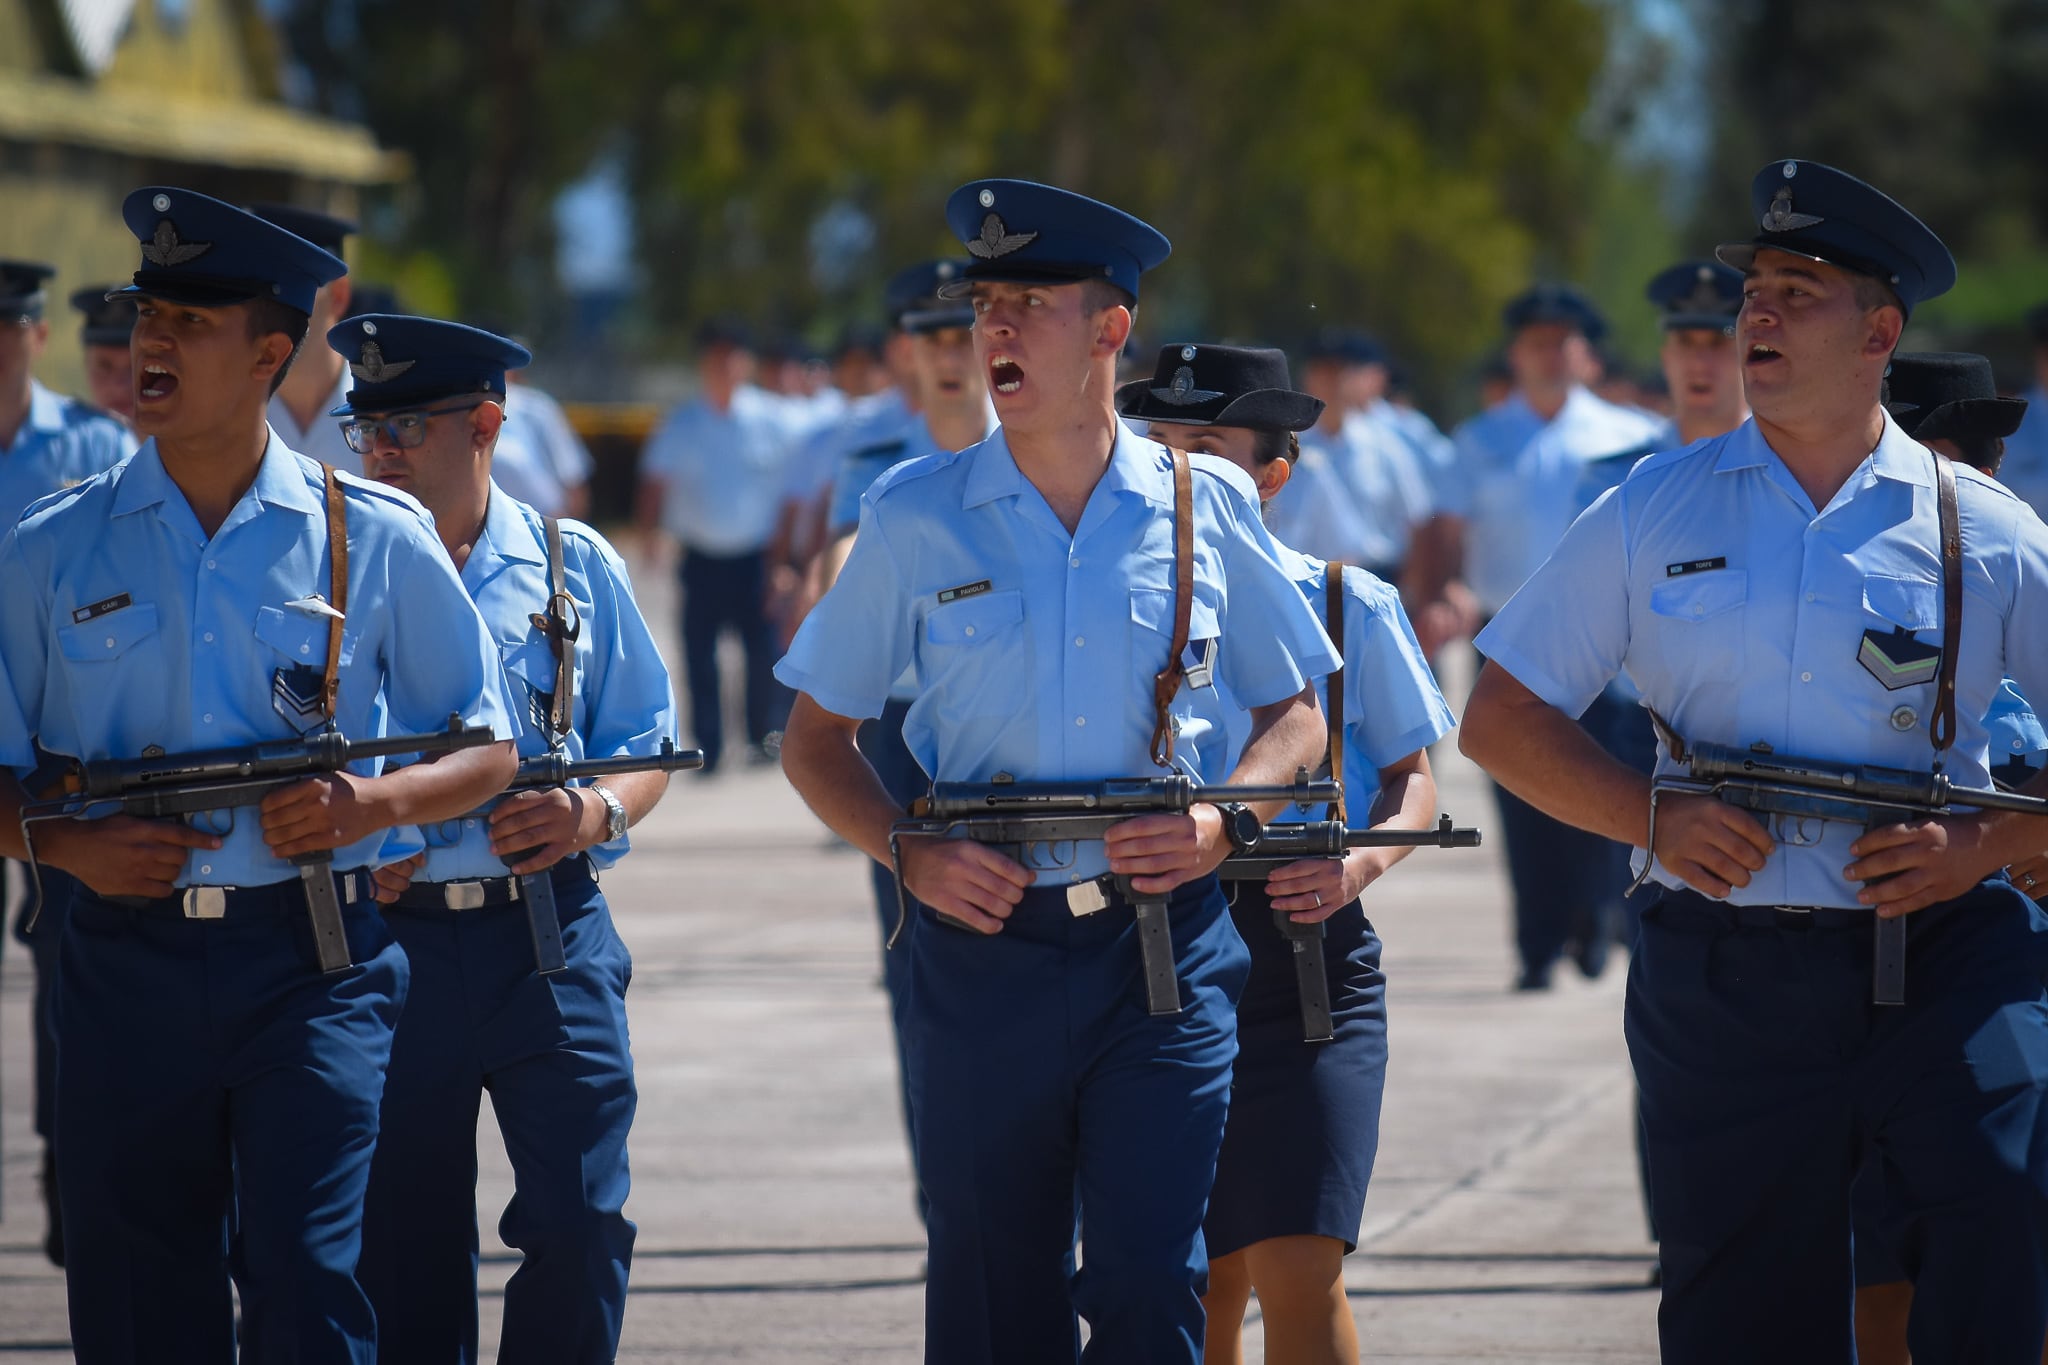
(1304, 1119)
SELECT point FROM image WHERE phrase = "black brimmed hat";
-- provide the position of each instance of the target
(1220, 386)
(1949, 395)
(1697, 296)
(1824, 214)
(1553, 303)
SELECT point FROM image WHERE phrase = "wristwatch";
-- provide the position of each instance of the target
(615, 813)
(1241, 825)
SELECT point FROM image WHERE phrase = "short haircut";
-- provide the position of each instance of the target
(1272, 445)
(268, 315)
(1098, 294)
(1872, 292)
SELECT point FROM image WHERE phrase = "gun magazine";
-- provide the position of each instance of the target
(1155, 954)
(537, 889)
(323, 910)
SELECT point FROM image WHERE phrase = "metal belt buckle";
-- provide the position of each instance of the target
(1085, 898)
(206, 902)
(462, 895)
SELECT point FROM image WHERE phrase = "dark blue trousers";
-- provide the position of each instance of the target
(204, 1066)
(553, 1053)
(43, 941)
(881, 740)
(727, 592)
(1043, 1092)
(1766, 1074)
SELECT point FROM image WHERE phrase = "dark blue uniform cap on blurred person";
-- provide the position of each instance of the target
(201, 251)
(1346, 344)
(400, 361)
(1824, 214)
(1553, 303)
(21, 290)
(1026, 233)
(1949, 395)
(108, 321)
(724, 331)
(1701, 295)
(323, 230)
(1220, 386)
(916, 286)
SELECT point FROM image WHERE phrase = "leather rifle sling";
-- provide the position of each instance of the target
(561, 638)
(1333, 686)
(1941, 729)
(1166, 683)
(337, 589)
(1888, 961)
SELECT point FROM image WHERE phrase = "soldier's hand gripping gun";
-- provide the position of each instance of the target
(1034, 821)
(1271, 847)
(556, 769)
(176, 785)
(1801, 790)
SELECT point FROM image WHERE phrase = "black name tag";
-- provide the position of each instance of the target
(965, 590)
(101, 608)
(1695, 566)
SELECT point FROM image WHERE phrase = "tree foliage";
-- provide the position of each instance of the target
(1402, 162)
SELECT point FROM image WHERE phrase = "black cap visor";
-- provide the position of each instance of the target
(201, 291)
(1023, 272)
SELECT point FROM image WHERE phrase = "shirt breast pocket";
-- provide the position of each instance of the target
(974, 657)
(1699, 623)
(301, 638)
(1152, 619)
(530, 665)
(117, 688)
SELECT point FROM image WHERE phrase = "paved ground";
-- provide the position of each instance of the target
(769, 1176)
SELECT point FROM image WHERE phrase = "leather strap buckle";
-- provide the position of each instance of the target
(205, 902)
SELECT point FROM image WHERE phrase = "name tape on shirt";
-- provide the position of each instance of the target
(101, 608)
(965, 590)
(1695, 566)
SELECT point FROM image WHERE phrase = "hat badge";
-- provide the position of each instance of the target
(987, 199)
(374, 369)
(1182, 391)
(1187, 353)
(1781, 218)
(997, 240)
(165, 249)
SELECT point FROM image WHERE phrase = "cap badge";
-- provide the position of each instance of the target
(165, 249)
(1187, 353)
(1183, 392)
(373, 369)
(1781, 218)
(1704, 298)
(987, 198)
(997, 240)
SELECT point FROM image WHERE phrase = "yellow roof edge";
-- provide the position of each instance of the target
(39, 108)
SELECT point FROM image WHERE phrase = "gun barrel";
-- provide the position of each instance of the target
(320, 753)
(555, 769)
(1716, 762)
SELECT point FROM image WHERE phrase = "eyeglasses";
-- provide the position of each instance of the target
(405, 429)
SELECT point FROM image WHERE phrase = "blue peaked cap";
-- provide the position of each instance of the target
(1027, 233)
(198, 250)
(399, 361)
(1828, 215)
(1703, 295)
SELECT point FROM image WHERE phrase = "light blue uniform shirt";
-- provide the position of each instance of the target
(60, 443)
(126, 628)
(1740, 613)
(1357, 495)
(1034, 648)
(814, 469)
(1518, 478)
(623, 702)
(1392, 706)
(320, 439)
(2025, 469)
(722, 472)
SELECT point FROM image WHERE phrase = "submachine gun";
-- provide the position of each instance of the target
(1798, 790)
(1032, 820)
(176, 785)
(556, 769)
(1266, 849)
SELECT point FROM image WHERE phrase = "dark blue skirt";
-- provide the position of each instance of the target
(1304, 1121)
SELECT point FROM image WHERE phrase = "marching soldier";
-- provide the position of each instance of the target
(192, 598)
(318, 381)
(1782, 587)
(1029, 583)
(550, 1047)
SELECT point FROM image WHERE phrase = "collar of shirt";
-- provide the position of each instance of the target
(1897, 457)
(1137, 467)
(280, 482)
(508, 538)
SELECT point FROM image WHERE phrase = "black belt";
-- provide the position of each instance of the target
(485, 893)
(1776, 916)
(218, 902)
